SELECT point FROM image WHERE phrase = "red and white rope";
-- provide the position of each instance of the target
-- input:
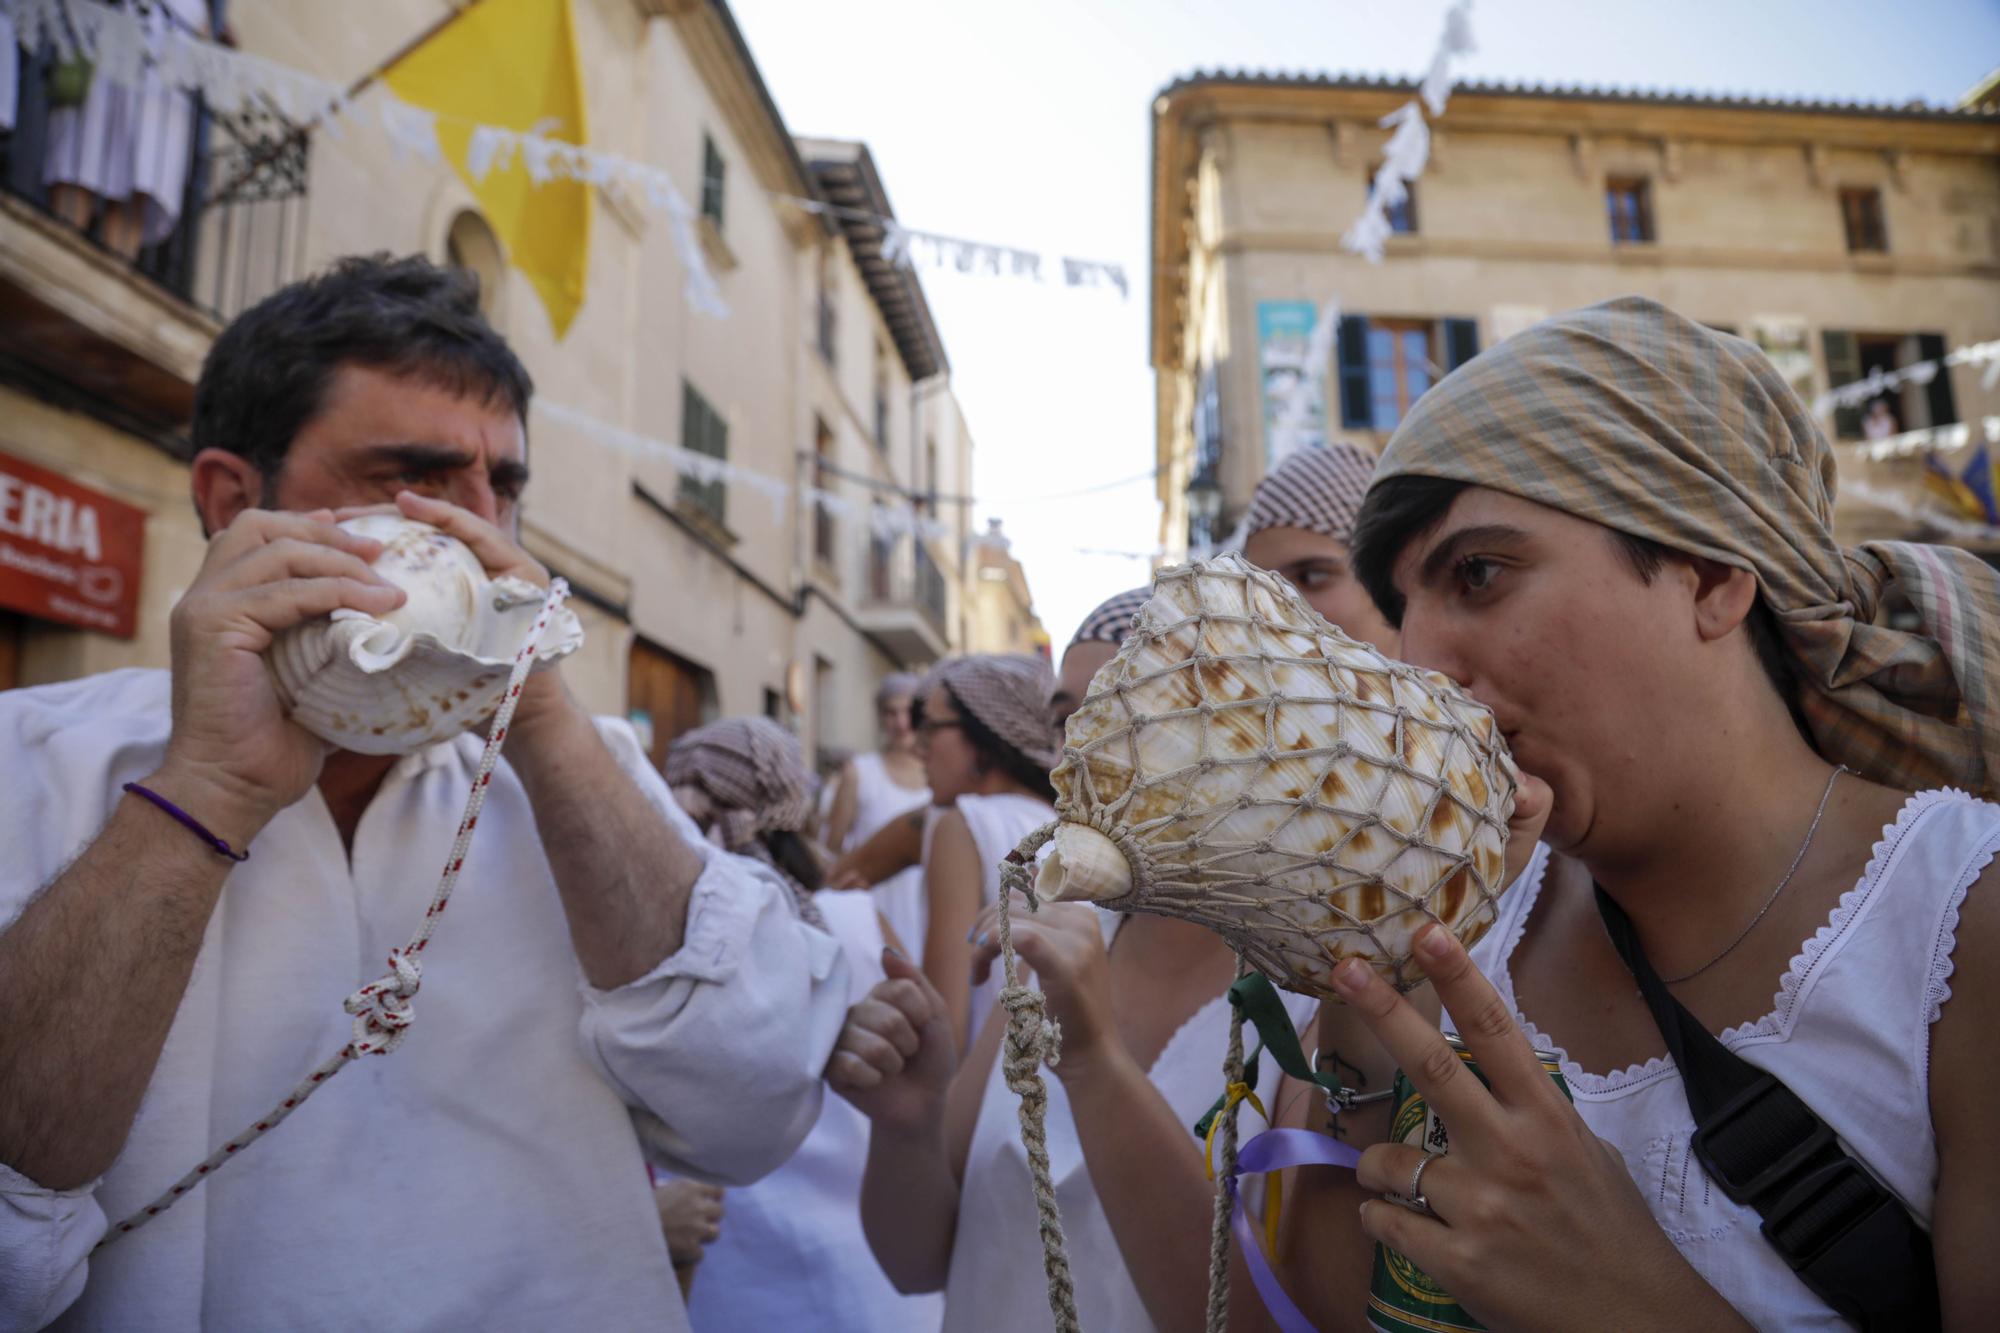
(382, 1009)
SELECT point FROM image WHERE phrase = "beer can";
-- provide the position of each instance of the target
(1402, 1298)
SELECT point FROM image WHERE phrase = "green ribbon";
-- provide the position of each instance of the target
(1257, 1003)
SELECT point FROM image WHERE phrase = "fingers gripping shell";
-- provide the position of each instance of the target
(430, 669)
(1244, 764)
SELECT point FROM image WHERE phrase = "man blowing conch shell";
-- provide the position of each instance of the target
(603, 962)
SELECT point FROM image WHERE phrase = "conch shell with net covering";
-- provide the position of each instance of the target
(1244, 764)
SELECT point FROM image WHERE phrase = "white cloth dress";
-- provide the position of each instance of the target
(792, 1255)
(997, 823)
(878, 800)
(995, 1283)
(1849, 1032)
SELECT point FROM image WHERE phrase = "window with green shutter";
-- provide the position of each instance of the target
(704, 432)
(1843, 366)
(711, 181)
(1386, 364)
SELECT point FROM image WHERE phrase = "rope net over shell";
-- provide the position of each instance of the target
(1244, 764)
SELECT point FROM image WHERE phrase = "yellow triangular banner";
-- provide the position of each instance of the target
(513, 64)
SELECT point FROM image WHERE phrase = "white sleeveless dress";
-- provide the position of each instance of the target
(792, 1255)
(997, 823)
(995, 1284)
(878, 799)
(1849, 1032)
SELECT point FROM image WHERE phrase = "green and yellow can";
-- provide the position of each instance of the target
(1402, 1298)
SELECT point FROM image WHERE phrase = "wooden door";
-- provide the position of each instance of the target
(10, 650)
(673, 693)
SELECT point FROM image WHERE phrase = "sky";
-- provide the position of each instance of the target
(1029, 125)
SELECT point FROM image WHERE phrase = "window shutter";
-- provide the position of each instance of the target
(1356, 410)
(1944, 408)
(1843, 366)
(1461, 342)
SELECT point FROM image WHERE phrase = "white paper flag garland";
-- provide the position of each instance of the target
(1409, 148)
(1879, 382)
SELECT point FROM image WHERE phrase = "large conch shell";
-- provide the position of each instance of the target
(1244, 764)
(426, 671)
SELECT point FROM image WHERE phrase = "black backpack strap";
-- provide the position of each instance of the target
(1847, 1237)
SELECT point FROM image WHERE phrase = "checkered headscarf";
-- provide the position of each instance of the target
(1009, 693)
(1112, 621)
(741, 778)
(1636, 418)
(1317, 487)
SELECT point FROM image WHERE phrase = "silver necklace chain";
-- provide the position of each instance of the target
(1730, 948)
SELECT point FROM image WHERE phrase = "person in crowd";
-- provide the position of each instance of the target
(789, 1253)
(899, 840)
(988, 750)
(1095, 642)
(947, 1202)
(1880, 423)
(1758, 785)
(875, 788)
(1300, 525)
(161, 987)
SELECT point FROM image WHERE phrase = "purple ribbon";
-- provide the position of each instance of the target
(1274, 1150)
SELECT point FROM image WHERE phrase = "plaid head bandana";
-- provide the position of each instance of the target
(1112, 621)
(1318, 488)
(1009, 693)
(740, 778)
(1636, 418)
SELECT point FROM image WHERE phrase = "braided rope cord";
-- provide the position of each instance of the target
(1218, 1231)
(382, 1009)
(1328, 800)
(1032, 1040)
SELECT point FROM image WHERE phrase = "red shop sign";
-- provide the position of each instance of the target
(68, 553)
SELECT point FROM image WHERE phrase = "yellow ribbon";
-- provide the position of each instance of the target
(1274, 1201)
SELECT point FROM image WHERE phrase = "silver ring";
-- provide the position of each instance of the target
(1414, 1195)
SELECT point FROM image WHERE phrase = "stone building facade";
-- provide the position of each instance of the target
(698, 601)
(1841, 238)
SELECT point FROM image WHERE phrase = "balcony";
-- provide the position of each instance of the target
(108, 305)
(905, 603)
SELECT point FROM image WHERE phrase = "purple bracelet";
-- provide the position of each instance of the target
(194, 825)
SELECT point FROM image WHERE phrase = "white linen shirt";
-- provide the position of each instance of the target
(488, 1174)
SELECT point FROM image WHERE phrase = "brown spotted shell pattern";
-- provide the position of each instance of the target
(1244, 764)
(426, 671)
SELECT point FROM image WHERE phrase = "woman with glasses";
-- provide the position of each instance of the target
(988, 746)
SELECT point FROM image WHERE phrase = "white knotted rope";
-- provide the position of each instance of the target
(382, 1009)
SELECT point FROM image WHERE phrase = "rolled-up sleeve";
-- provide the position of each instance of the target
(723, 1044)
(46, 1237)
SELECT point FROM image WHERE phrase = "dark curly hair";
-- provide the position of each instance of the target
(266, 376)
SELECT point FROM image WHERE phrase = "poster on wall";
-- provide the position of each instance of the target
(1284, 332)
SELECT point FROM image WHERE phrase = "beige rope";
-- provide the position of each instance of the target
(1033, 1039)
(1218, 1232)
